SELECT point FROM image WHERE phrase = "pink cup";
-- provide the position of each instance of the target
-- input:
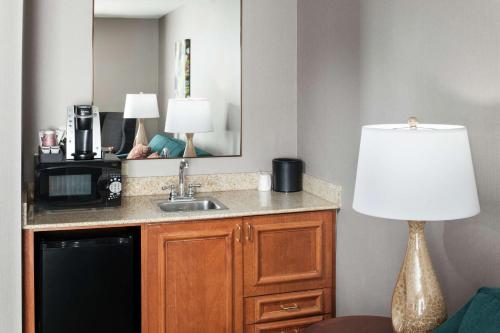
(49, 138)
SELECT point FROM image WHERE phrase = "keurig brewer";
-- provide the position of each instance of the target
(83, 128)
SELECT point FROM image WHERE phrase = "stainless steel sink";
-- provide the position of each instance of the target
(198, 204)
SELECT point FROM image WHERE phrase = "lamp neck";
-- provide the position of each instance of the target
(189, 150)
(416, 228)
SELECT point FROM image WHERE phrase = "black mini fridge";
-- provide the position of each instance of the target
(88, 282)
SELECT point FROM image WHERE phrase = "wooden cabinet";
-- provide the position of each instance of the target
(260, 274)
(286, 326)
(193, 279)
(290, 252)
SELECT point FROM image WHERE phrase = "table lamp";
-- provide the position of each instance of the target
(141, 106)
(189, 116)
(416, 173)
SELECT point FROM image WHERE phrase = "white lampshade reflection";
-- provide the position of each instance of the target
(141, 106)
(188, 115)
(417, 174)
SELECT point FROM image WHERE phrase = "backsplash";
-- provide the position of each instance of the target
(323, 189)
(135, 186)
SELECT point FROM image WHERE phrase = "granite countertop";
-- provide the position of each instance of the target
(143, 209)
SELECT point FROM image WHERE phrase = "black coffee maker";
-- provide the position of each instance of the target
(83, 133)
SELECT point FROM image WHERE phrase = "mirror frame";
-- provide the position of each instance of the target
(241, 90)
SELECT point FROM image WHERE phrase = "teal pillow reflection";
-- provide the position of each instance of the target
(175, 146)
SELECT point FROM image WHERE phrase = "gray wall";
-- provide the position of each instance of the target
(214, 29)
(363, 62)
(10, 168)
(125, 62)
(59, 65)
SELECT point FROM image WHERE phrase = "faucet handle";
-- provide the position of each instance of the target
(192, 189)
(173, 191)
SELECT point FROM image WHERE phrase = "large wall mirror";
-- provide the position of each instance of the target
(167, 77)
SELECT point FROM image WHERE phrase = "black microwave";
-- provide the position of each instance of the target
(78, 184)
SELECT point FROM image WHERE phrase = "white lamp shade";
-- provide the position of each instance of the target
(141, 106)
(422, 174)
(188, 115)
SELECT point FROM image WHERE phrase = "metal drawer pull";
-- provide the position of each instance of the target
(295, 330)
(293, 307)
(238, 233)
(249, 232)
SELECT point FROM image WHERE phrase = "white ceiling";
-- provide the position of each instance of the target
(135, 8)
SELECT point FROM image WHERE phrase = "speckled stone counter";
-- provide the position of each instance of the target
(143, 209)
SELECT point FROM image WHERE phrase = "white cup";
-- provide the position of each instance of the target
(264, 182)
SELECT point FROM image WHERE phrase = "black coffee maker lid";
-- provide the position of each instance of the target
(83, 110)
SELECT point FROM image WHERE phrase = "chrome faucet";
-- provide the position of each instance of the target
(179, 193)
(182, 177)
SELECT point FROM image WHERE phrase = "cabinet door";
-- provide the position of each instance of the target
(193, 278)
(289, 252)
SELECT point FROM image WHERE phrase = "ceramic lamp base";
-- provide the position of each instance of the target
(417, 303)
(189, 150)
(141, 137)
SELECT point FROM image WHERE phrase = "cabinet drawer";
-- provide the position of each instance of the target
(286, 326)
(285, 306)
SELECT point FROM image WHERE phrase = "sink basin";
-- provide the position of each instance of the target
(199, 204)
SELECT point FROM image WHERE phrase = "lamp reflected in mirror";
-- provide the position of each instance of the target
(188, 116)
(141, 106)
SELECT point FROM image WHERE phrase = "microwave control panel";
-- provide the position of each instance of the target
(114, 186)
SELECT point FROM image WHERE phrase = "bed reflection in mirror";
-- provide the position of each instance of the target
(167, 77)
